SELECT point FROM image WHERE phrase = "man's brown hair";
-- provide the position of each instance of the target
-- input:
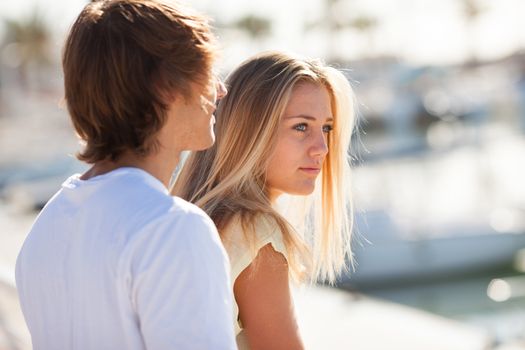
(124, 61)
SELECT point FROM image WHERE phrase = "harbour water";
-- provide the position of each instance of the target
(466, 299)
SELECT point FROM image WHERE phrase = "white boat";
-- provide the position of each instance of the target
(391, 259)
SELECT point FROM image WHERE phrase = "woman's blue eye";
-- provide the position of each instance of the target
(327, 128)
(300, 127)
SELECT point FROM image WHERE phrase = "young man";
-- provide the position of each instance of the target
(113, 261)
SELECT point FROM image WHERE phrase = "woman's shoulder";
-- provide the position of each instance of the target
(244, 239)
(244, 231)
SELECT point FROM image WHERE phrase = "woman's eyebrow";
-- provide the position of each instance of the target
(307, 117)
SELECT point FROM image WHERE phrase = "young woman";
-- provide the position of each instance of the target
(283, 128)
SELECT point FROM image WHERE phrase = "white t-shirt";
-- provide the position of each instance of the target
(115, 262)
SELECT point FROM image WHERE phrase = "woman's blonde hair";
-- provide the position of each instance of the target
(228, 180)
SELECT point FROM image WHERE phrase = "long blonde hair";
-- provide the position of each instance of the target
(229, 178)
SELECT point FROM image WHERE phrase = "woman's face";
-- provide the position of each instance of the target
(302, 141)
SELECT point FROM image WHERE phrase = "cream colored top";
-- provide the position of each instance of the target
(242, 253)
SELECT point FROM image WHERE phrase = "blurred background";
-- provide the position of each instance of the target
(439, 158)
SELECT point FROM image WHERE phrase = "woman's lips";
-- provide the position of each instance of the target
(311, 171)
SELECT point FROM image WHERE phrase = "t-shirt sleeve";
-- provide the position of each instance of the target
(180, 286)
(242, 254)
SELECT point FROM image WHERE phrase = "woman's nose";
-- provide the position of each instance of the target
(320, 145)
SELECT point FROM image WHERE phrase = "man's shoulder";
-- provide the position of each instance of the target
(184, 230)
(190, 219)
(169, 218)
(190, 210)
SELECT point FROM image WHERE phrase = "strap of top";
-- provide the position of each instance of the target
(241, 252)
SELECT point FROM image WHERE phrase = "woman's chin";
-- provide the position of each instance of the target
(306, 191)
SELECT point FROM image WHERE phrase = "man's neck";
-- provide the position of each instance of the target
(160, 165)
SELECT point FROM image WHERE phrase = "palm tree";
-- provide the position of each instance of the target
(366, 25)
(27, 40)
(471, 11)
(256, 27)
(334, 21)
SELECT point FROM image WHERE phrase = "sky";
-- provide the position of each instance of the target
(419, 31)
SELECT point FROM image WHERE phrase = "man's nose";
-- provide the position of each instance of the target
(221, 89)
